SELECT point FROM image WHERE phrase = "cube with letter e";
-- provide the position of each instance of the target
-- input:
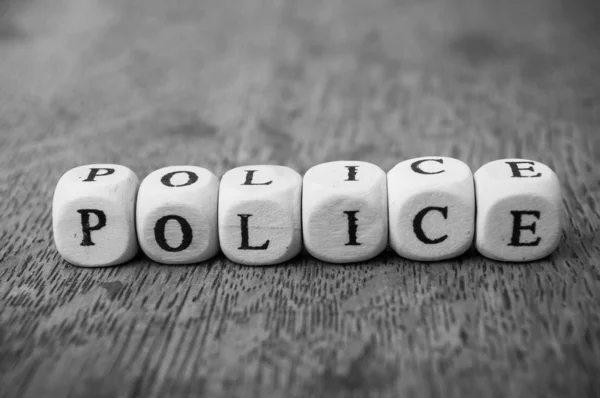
(519, 210)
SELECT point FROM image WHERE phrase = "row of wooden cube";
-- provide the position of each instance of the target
(428, 209)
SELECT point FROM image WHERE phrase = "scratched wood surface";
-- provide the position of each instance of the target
(222, 83)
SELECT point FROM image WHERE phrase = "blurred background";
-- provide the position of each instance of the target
(294, 82)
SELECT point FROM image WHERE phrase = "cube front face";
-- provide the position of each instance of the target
(93, 215)
(260, 214)
(344, 216)
(177, 215)
(431, 208)
(519, 210)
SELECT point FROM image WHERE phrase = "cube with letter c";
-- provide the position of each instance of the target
(431, 208)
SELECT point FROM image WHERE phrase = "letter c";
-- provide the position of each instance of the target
(418, 227)
(416, 166)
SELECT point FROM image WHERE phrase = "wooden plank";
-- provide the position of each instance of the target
(148, 83)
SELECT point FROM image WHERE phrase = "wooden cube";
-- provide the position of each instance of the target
(260, 214)
(431, 208)
(519, 210)
(93, 215)
(177, 215)
(344, 211)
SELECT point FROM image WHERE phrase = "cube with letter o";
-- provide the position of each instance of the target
(177, 215)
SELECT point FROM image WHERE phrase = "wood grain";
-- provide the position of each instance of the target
(222, 83)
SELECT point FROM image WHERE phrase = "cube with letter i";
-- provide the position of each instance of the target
(344, 211)
(431, 208)
(519, 210)
(177, 215)
(260, 214)
(93, 215)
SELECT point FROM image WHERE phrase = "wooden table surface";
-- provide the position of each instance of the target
(222, 83)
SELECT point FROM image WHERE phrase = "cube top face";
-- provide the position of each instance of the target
(260, 214)
(519, 206)
(431, 208)
(344, 177)
(430, 172)
(94, 178)
(345, 211)
(518, 174)
(93, 213)
(177, 215)
(258, 182)
(177, 183)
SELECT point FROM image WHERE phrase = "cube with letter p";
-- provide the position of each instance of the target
(93, 215)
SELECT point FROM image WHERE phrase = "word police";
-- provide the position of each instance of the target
(341, 212)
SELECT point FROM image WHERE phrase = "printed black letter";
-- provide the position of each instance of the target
(166, 179)
(86, 228)
(418, 227)
(515, 239)
(351, 173)
(352, 228)
(516, 170)
(159, 233)
(94, 173)
(246, 239)
(417, 169)
(250, 176)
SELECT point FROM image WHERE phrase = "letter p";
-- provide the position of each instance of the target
(86, 228)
